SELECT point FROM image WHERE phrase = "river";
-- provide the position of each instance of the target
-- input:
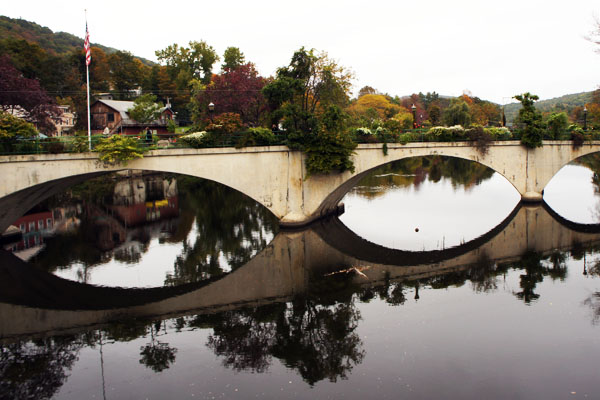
(436, 282)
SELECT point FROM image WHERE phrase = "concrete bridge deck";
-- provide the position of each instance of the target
(276, 176)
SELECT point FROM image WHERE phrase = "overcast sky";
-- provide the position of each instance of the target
(492, 49)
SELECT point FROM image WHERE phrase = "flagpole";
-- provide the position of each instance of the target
(87, 76)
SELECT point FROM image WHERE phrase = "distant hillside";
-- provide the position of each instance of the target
(563, 103)
(59, 43)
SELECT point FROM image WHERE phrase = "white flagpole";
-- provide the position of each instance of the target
(87, 75)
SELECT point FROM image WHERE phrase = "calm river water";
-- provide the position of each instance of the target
(435, 283)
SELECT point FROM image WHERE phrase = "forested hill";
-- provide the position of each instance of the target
(58, 43)
(564, 103)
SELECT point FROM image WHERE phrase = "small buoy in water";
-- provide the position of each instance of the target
(416, 229)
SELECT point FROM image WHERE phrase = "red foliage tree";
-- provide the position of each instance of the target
(25, 98)
(236, 91)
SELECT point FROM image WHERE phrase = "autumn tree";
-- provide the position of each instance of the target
(366, 90)
(125, 74)
(159, 83)
(25, 97)
(100, 73)
(377, 102)
(237, 91)
(404, 117)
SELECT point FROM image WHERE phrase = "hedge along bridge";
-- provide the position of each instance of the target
(276, 176)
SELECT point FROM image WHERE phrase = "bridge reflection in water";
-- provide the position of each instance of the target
(35, 302)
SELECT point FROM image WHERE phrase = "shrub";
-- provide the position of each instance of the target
(78, 144)
(445, 134)
(196, 139)
(480, 138)
(118, 149)
(365, 135)
(557, 124)
(226, 123)
(171, 126)
(404, 138)
(577, 135)
(54, 146)
(500, 133)
(393, 125)
(327, 152)
(256, 137)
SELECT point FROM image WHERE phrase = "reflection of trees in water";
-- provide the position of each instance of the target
(593, 302)
(230, 226)
(312, 334)
(36, 369)
(157, 355)
(414, 171)
(592, 161)
(315, 333)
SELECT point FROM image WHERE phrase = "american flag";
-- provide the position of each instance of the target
(86, 46)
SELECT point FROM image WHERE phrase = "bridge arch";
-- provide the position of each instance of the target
(528, 170)
(338, 193)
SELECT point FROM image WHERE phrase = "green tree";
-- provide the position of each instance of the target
(232, 58)
(187, 63)
(145, 109)
(557, 124)
(530, 119)
(457, 114)
(12, 127)
(435, 114)
(307, 87)
(125, 74)
(330, 148)
(189, 68)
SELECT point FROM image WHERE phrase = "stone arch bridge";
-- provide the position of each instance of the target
(276, 176)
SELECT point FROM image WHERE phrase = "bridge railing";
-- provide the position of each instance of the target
(77, 144)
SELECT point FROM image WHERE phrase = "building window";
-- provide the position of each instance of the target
(22, 226)
(32, 226)
(48, 223)
(111, 117)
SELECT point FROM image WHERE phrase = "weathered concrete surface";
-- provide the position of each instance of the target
(283, 270)
(275, 176)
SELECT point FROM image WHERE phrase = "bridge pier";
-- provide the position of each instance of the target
(532, 197)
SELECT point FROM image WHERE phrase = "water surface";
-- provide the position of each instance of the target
(507, 307)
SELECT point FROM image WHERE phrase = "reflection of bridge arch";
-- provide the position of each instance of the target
(276, 177)
(279, 272)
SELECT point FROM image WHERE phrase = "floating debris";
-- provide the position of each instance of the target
(358, 270)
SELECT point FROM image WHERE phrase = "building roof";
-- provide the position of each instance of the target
(121, 106)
